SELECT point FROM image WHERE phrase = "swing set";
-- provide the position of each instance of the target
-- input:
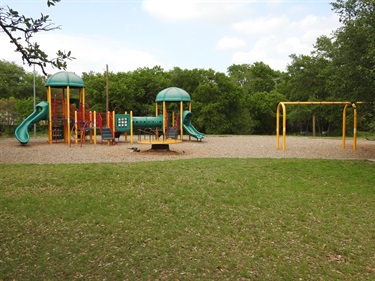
(346, 104)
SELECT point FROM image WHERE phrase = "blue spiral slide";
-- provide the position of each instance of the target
(40, 113)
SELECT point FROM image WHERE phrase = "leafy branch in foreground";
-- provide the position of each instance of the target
(20, 29)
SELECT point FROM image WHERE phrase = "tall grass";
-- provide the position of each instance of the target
(201, 219)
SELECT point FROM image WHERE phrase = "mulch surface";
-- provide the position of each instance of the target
(39, 151)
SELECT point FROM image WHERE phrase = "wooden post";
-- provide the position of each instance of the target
(313, 124)
(106, 90)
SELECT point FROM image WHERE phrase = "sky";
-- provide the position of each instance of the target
(209, 34)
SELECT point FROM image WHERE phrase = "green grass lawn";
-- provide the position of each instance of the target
(198, 219)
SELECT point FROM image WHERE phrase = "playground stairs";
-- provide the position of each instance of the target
(57, 120)
(57, 129)
(107, 135)
(172, 133)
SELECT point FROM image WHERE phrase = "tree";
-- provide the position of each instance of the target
(149, 82)
(308, 79)
(20, 30)
(15, 82)
(218, 105)
(354, 59)
(262, 107)
(258, 77)
(134, 91)
(11, 75)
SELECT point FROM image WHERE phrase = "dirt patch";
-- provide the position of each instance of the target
(39, 151)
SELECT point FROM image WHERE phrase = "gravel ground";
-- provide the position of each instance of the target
(40, 152)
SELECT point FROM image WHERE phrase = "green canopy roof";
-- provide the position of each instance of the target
(64, 79)
(173, 94)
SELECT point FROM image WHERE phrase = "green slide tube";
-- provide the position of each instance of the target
(188, 127)
(148, 122)
(40, 113)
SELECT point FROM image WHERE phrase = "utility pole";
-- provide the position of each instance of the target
(106, 90)
(34, 99)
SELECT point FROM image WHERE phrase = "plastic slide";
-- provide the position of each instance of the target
(40, 113)
(188, 127)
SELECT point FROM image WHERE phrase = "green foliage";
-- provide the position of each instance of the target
(354, 59)
(254, 78)
(235, 219)
(24, 107)
(260, 85)
(8, 115)
(134, 91)
(245, 100)
(149, 82)
(20, 30)
(217, 101)
(308, 78)
(186, 79)
(341, 68)
(95, 90)
(262, 108)
(13, 111)
(15, 82)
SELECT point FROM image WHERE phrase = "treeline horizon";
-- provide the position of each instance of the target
(243, 100)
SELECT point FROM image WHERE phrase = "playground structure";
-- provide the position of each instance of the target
(70, 119)
(346, 104)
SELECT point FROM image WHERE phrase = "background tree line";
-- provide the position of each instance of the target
(243, 100)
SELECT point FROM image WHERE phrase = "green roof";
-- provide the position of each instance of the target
(173, 94)
(64, 79)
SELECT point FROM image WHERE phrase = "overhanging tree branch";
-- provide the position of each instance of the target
(20, 30)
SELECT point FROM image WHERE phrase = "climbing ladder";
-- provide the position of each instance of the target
(57, 118)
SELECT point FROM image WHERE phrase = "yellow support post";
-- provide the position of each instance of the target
(181, 125)
(164, 118)
(131, 126)
(94, 127)
(76, 126)
(190, 111)
(281, 104)
(284, 127)
(344, 126)
(113, 126)
(82, 91)
(278, 126)
(346, 104)
(90, 132)
(49, 100)
(354, 127)
(126, 133)
(108, 115)
(68, 113)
